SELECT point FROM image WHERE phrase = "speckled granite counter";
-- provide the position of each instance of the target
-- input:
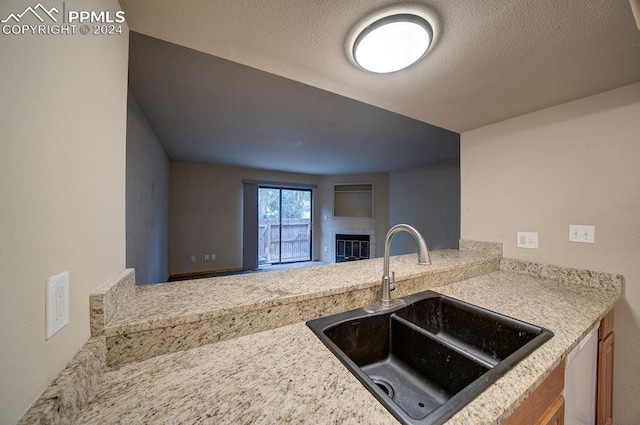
(159, 319)
(194, 300)
(286, 375)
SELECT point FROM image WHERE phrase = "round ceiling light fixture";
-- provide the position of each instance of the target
(392, 39)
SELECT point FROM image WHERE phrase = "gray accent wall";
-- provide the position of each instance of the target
(147, 201)
(427, 198)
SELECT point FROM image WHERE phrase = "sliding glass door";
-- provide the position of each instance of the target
(284, 225)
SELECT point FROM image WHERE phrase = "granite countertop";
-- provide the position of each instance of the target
(287, 375)
(168, 304)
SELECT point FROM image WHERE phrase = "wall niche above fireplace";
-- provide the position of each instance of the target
(353, 200)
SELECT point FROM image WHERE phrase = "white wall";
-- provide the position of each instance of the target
(205, 213)
(379, 222)
(62, 191)
(147, 199)
(577, 163)
(427, 198)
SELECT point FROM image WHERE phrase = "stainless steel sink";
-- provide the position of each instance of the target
(427, 359)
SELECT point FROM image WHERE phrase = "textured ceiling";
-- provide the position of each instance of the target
(494, 59)
(207, 109)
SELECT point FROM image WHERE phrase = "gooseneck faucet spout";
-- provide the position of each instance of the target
(388, 282)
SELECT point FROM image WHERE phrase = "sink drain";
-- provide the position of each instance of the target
(384, 386)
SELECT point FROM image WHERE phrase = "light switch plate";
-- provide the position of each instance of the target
(57, 303)
(582, 233)
(527, 240)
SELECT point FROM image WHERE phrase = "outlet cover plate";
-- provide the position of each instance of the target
(582, 233)
(527, 240)
(57, 303)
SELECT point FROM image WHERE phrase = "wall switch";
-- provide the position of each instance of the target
(206, 258)
(324, 217)
(581, 233)
(326, 249)
(213, 257)
(57, 303)
(193, 258)
(527, 240)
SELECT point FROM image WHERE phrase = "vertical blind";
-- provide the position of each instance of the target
(249, 225)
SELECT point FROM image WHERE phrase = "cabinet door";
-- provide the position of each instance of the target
(543, 401)
(605, 381)
(554, 414)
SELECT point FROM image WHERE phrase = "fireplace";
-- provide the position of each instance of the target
(352, 247)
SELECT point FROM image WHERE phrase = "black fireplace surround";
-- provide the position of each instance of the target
(352, 247)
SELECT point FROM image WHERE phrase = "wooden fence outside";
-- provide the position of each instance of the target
(295, 240)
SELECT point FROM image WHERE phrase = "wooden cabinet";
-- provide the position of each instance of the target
(604, 401)
(554, 414)
(545, 405)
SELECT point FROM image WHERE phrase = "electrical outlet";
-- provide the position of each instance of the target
(193, 258)
(527, 240)
(326, 249)
(582, 233)
(213, 257)
(57, 303)
(206, 258)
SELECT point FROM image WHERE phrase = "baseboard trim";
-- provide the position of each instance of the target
(206, 272)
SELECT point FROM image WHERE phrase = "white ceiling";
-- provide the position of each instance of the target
(494, 59)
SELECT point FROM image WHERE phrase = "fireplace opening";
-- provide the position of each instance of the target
(352, 247)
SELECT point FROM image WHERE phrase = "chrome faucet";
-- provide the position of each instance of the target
(389, 282)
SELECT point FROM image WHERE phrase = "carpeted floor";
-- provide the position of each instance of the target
(262, 268)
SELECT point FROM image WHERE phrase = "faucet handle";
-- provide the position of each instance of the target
(392, 282)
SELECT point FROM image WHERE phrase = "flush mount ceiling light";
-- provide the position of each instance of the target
(392, 39)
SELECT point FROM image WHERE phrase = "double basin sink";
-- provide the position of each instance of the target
(428, 358)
